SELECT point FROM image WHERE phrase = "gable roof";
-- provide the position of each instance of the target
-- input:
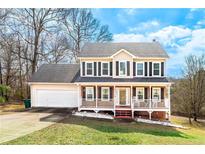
(138, 49)
(56, 73)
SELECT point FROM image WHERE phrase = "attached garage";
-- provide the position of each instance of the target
(56, 98)
(53, 86)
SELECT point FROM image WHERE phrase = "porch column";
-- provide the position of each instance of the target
(114, 101)
(79, 97)
(150, 96)
(96, 96)
(169, 104)
(150, 115)
(131, 102)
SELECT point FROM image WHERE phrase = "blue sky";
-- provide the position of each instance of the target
(180, 31)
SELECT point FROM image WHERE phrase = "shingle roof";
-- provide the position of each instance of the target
(110, 79)
(147, 49)
(56, 73)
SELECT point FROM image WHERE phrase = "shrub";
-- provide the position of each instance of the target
(2, 100)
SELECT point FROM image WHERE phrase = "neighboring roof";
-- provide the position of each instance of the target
(146, 49)
(56, 73)
(110, 79)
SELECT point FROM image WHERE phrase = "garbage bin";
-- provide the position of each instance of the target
(27, 103)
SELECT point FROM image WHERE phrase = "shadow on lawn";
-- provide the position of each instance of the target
(118, 126)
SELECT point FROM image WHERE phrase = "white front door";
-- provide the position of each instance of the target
(123, 96)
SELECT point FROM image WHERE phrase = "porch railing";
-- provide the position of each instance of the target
(97, 104)
(150, 104)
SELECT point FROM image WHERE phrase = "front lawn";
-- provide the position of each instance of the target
(75, 130)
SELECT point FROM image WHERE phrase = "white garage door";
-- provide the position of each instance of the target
(57, 98)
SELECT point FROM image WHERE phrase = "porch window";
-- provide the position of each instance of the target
(156, 69)
(105, 69)
(89, 68)
(89, 93)
(140, 93)
(140, 69)
(156, 93)
(122, 68)
(105, 92)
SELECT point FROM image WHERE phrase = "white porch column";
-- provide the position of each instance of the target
(131, 102)
(114, 101)
(79, 97)
(150, 115)
(96, 96)
(169, 103)
(150, 97)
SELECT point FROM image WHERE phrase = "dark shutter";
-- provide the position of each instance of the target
(95, 69)
(83, 68)
(117, 68)
(94, 92)
(134, 91)
(111, 92)
(110, 68)
(83, 92)
(151, 93)
(128, 68)
(99, 92)
(150, 68)
(145, 69)
(145, 93)
(99, 68)
(162, 68)
(162, 93)
(134, 68)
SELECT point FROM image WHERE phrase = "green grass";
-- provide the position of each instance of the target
(75, 130)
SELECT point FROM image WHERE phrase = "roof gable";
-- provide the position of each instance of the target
(125, 51)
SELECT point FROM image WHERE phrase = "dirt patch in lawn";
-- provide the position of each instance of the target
(11, 107)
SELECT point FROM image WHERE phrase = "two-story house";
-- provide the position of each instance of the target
(126, 79)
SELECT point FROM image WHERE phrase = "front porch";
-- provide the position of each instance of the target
(133, 98)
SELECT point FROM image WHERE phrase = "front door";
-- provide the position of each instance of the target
(123, 96)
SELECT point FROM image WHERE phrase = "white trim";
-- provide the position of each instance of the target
(137, 89)
(123, 50)
(108, 88)
(159, 69)
(102, 69)
(92, 88)
(143, 73)
(86, 68)
(122, 61)
(153, 93)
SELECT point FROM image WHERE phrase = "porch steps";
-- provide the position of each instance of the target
(123, 114)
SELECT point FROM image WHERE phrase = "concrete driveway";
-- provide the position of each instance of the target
(19, 124)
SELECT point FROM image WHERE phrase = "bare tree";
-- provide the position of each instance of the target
(81, 27)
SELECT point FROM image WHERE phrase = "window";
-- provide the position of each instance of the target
(122, 68)
(156, 93)
(156, 69)
(89, 93)
(105, 93)
(140, 93)
(105, 69)
(89, 69)
(140, 69)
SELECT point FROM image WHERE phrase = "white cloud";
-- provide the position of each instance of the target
(124, 14)
(179, 41)
(145, 26)
(130, 11)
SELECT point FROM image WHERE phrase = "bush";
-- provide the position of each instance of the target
(2, 100)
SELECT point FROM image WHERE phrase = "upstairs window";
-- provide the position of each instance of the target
(140, 93)
(89, 93)
(89, 69)
(140, 69)
(156, 93)
(105, 69)
(122, 68)
(156, 69)
(105, 93)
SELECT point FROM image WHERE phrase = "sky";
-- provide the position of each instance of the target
(180, 31)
